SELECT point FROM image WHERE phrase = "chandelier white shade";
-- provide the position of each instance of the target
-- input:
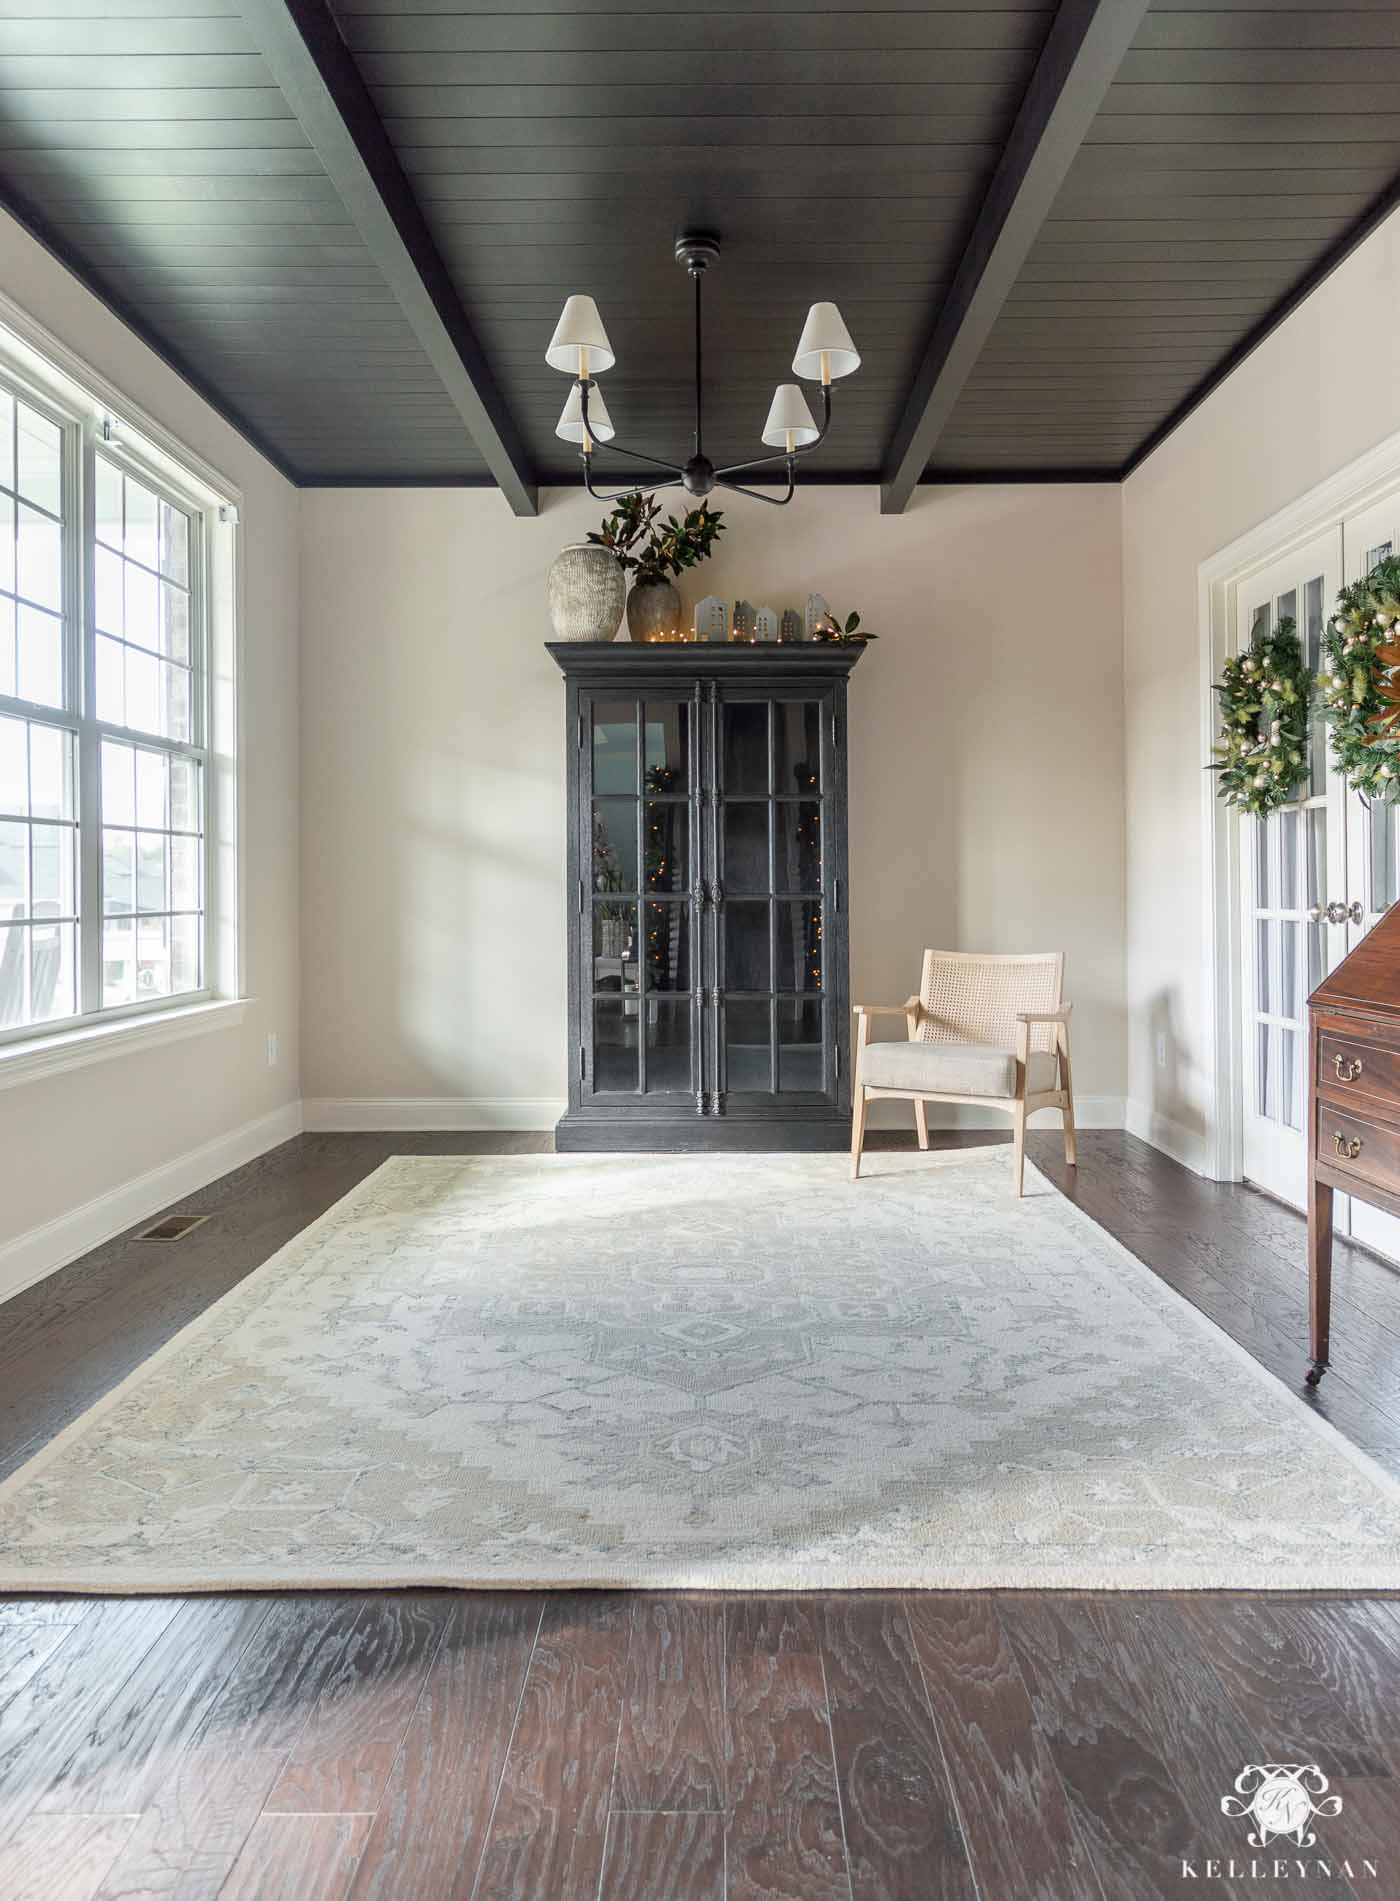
(599, 421)
(824, 335)
(789, 424)
(579, 346)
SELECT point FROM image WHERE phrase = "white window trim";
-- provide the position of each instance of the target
(62, 380)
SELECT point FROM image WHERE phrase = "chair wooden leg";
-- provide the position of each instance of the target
(1067, 1084)
(1018, 1147)
(921, 1120)
(857, 1130)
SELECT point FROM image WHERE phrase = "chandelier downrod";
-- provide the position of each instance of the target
(580, 345)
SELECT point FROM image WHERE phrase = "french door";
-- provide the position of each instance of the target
(1315, 877)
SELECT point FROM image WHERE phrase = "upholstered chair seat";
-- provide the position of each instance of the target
(953, 1069)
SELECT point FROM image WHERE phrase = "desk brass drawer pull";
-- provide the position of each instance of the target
(1349, 1149)
(1347, 1072)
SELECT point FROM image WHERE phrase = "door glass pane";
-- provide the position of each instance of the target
(666, 937)
(614, 943)
(1261, 621)
(1381, 552)
(665, 840)
(1289, 1073)
(614, 1044)
(799, 946)
(1288, 861)
(1380, 822)
(746, 958)
(614, 746)
(1288, 606)
(1317, 948)
(1265, 860)
(797, 767)
(668, 1047)
(1312, 642)
(748, 1046)
(614, 844)
(1289, 1000)
(1264, 963)
(744, 747)
(745, 865)
(1317, 857)
(799, 1043)
(799, 866)
(667, 745)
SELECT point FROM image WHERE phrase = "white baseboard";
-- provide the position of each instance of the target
(325, 1114)
(42, 1250)
(1090, 1112)
(1170, 1137)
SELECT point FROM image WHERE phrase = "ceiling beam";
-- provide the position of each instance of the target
(316, 71)
(1081, 55)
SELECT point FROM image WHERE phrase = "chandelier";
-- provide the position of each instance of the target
(580, 348)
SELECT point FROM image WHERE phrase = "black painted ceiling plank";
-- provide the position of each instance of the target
(316, 70)
(1082, 53)
(122, 308)
(1357, 233)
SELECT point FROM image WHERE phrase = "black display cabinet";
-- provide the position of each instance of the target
(707, 907)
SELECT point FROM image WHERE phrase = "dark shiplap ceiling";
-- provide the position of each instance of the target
(559, 145)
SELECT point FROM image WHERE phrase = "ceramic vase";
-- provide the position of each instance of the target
(653, 611)
(586, 590)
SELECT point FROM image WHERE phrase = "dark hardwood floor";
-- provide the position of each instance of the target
(439, 1746)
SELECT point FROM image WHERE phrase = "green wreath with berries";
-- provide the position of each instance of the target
(1361, 682)
(1265, 693)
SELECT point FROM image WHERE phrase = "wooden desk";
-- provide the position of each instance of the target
(1353, 1104)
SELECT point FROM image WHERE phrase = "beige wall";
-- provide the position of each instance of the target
(986, 739)
(1323, 388)
(67, 1139)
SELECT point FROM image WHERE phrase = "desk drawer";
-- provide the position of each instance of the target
(1351, 1069)
(1347, 1141)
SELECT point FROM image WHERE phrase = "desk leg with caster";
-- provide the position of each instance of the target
(1319, 1275)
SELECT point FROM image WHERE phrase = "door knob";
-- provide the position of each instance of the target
(1336, 912)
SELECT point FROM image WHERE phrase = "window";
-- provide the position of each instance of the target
(103, 726)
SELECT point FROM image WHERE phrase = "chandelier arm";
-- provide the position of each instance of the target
(637, 488)
(785, 455)
(612, 445)
(757, 494)
(697, 276)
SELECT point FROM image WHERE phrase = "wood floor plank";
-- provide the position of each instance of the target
(45, 1721)
(191, 1833)
(61, 1857)
(23, 1648)
(1354, 1651)
(784, 1840)
(1020, 1835)
(309, 1857)
(671, 1751)
(133, 1748)
(429, 1834)
(1291, 1711)
(1129, 1812)
(342, 1759)
(550, 1823)
(903, 1837)
(678, 1856)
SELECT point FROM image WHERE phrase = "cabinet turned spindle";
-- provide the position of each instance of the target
(1353, 1105)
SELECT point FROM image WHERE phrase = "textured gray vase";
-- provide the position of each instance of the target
(586, 589)
(653, 610)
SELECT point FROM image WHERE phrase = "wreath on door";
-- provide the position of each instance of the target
(1361, 682)
(1265, 693)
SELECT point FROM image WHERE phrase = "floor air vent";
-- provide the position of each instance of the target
(173, 1228)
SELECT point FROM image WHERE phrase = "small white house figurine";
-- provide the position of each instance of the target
(790, 627)
(817, 613)
(711, 618)
(765, 624)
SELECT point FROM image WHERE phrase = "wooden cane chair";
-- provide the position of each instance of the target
(987, 1030)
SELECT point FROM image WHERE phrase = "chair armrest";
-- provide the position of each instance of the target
(1045, 1016)
(910, 1007)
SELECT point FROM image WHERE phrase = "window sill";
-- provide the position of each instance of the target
(95, 1042)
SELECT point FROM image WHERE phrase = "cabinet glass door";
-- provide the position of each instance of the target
(773, 882)
(638, 950)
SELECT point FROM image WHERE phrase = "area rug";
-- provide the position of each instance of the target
(700, 1372)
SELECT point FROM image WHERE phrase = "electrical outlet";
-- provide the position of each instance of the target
(1161, 1049)
(272, 1049)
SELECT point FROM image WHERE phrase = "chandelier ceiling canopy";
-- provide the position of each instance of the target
(580, 348)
